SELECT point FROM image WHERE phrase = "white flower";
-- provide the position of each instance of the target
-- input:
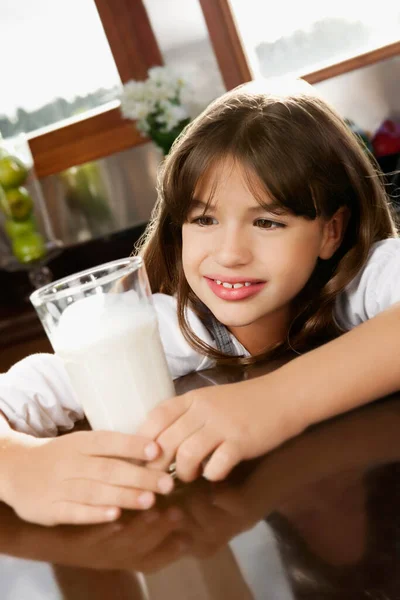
(136, 101)
(171, 115)
(161, 75)
(134, 90)
(143, 126)
(161, 102)
(161, 91)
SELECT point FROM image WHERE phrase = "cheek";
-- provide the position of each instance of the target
(298, 259)
(190, 252)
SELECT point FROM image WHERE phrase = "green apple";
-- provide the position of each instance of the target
(15, 229)
(29, 247)
(3, 202)
(12, 171)
(20, 203)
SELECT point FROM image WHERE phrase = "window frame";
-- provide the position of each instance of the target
(103, 131)
(231, 57)
(135, 49)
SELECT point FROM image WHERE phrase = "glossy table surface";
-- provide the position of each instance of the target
(317, 518)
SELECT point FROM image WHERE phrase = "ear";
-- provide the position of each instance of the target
(333, 232)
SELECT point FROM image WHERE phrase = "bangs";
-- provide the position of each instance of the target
(287, 165)
(185, 179)
(278, 184)
(276, 193)
(212, 178)
(280, 178)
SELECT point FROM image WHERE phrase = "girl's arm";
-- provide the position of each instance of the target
(243, 420)
(78, 475)
(82, 477)
(358, 367)
(37, 398)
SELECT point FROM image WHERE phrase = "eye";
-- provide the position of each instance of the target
(268, 224)
(204, 221)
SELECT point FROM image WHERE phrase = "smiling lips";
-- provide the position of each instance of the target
(234, 289)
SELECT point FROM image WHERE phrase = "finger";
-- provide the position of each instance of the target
(80, 514)
(162, 417)
(225, 457)
(193, 451)
(120, 473)
(172, 438)
(94, 493)
(113, 443)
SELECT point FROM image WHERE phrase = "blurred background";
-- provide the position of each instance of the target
(87, 187)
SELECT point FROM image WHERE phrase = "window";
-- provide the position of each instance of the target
(185, 45)
(55, 63)
(298, 38)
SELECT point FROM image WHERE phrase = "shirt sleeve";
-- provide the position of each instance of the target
(181, 357)
(36, 394)
(374, 289)
(37, 398)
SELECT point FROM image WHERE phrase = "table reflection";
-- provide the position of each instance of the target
(316, 518)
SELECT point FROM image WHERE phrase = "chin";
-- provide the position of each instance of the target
(234, 320)
(235, 323)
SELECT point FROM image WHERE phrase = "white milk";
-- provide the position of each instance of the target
(112, 350)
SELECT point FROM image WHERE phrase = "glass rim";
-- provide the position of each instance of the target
(46, 293)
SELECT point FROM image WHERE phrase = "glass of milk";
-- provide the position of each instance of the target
(102, 323)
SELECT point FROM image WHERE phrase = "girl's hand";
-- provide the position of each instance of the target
(82, 477)
(228, 423)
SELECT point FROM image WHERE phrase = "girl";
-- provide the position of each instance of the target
(272, 235)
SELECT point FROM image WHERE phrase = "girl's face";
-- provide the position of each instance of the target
(247, 264)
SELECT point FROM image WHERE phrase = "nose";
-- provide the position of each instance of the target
(232, 248)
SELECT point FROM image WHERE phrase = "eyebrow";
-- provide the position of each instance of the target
(273, 207)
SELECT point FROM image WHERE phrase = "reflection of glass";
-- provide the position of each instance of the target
(186, 47)
(97, 199)
(86, 196)
(56, 63)
(301, 37)
(102, 323)
(28, 242)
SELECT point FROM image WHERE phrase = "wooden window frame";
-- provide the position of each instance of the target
(135, 49)
(232, 59)
(102, 131)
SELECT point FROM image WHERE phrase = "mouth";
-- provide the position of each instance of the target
(229, 288)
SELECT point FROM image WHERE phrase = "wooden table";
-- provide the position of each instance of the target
(318, 518)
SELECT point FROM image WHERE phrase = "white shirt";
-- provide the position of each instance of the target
(36, 394)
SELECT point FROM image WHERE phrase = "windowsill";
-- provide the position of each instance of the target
(87, 114)
(354, 63)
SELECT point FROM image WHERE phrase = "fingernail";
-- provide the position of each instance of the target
(165, 484)
(151, 451)
(211, 474)
(112, 513)
(146, 500)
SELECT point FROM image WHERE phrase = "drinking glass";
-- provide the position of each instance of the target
(103, 325)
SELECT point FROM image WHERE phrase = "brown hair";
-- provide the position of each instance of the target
(307, 160)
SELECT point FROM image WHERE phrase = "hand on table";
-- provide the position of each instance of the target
(82, 477)
(228, 423)
(201, 517)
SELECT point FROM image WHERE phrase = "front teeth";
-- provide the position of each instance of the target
(235, 286)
